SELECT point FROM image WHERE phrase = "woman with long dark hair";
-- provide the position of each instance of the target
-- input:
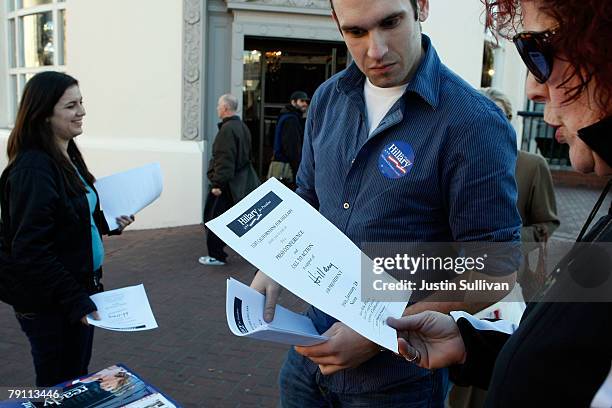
(51, 248)
(561, 353)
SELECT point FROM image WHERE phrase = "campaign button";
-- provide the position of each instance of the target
(396, 160)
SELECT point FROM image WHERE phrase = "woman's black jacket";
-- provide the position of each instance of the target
(46, 254)
(561, 352)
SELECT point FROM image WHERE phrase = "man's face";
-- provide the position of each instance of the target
(301, 104)
(383, 37)
(221, 108)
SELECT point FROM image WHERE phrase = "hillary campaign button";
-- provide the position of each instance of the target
(396, 160)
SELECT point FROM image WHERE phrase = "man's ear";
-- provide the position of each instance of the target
(422, 10)
(335, 18)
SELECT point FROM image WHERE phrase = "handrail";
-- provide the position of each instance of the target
(529, 114)
(539, 137)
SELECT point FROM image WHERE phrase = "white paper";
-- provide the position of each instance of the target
(125, 309)
(128, 192)
(156, 400)
(245, 307)
(281, 234)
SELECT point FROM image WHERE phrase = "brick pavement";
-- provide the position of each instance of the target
(574, 205)
(192, 356)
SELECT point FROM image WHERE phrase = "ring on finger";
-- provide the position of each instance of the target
(416, 358)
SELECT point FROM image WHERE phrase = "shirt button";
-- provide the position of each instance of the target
(346, 206)
(352, 161)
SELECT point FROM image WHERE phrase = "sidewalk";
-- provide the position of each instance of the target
(574, 206)
(192, 356)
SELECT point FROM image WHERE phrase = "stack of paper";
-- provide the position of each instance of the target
(125, 309)
(245, 307)
(281, 234)
(128, 192)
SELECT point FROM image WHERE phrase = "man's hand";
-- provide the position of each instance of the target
(216, 192)
(345, 349)
(429, 339)
(270, 289)
(94, 315)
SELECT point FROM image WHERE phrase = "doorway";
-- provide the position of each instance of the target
(273, 69)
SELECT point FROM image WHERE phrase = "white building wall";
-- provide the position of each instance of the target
(457, 31)
(127, 57)
(4, 95)
(512, 83)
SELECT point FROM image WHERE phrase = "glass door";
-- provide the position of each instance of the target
(273, 69)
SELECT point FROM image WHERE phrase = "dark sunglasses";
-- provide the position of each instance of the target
(536, 50)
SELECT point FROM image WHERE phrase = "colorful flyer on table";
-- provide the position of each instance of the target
(280, 233)
(113, 387)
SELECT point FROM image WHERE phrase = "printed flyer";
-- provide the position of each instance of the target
(112, 387)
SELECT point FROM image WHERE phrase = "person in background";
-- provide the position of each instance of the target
(538, 209)
(51, 228)
(560, 354)
(230, 173)
(288, 139)
(536, 203)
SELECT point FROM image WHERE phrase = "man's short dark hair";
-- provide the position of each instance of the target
(414, 7)
(297, 95)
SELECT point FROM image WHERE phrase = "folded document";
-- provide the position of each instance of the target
(245, 309)
(125, 309)
(277, 231)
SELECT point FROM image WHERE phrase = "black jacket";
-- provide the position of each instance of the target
(561, 352)
(231, 156)
(289, 137)
(46, 256)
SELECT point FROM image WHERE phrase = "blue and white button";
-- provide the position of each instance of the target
(396, 160)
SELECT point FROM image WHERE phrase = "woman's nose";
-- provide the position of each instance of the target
(535, 90)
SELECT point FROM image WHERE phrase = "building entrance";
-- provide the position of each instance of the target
(273, 69)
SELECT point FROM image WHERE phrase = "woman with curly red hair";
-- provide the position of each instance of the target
(560, 354)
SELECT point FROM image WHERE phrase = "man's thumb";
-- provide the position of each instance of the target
(269, 309)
